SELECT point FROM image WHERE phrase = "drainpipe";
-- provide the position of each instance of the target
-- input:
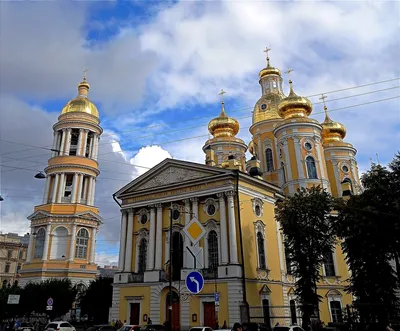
(116, 200)
(246, 316)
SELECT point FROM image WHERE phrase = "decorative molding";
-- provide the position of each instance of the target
(80, 166)
(257, 202)
(210, 202)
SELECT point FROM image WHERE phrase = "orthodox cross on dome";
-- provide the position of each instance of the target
(287, 72)
(222, 94)
(84, 73)
(266, 50)
(323, 97)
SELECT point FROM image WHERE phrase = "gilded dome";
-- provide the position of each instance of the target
(223, 125)
(269, 70)
(294, 106)
(332, 131)
(81, 103)
(266, 107)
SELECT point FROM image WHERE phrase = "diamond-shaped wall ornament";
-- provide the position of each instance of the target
(194, 230)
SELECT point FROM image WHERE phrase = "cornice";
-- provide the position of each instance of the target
(344, 148)
(256, 194)
(66, 270)
(287, 125)
(56, 166)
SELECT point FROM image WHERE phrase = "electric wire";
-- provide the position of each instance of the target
(232, 111)
(200, 136)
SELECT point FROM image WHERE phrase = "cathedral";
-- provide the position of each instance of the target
(62, 243)
(219, 218)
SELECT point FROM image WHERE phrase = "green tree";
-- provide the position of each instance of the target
(368, 225)
(100, 293)
(308, 227)
(60, 290)
(9, 310)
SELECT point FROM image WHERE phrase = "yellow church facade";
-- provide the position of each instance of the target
(241, 253)
(64, 227)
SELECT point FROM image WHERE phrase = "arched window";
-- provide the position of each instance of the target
(82, 244)
(348, 180)
(311, 169)
(329, 265)
(59, 243)
(269, 159)
(142, 255)
(212, 249)
(177, 255)
(39, 245)
(283, 172)
(261, 251)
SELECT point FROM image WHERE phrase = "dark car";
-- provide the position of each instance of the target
(153, 327)
(25, 327)
(102, 327)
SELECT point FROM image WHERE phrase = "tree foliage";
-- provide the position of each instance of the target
(34, 296)
(307, 225)
(369, 225)
(100, 293)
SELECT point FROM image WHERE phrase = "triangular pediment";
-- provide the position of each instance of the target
(38, 215)
(90, 215)
(170, 172)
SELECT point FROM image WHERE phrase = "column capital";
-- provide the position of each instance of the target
(69, 129)
(186, 201)
(230, 194)
(194, 199)
(220, 195)
(158, 206)
(151, 207)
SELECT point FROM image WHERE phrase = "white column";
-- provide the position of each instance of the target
(93, 246)
(128, 252)
(152, 238)
(91, 147)
(55, 187)
(62, 146)
(232, 229)
(84, 141)
(96, 148)
(90, 191)
(61, 188)
(46, 190)
(195, 207)
(299, 159)
(68, 142)
(46, 243)
(186, 242)
(30, 246)
(158, 265)
(79, 191)
(122, 241)
(167, 243)
(74, 188)
(55, 138)
(72, 244)
(58, 143)
(85, 188)
(223, 228)
(79, 146)
(93, 190)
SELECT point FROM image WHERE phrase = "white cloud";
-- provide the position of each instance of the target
(148, 157)
(105, 258)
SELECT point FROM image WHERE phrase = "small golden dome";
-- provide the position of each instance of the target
(266, 107)
(81, 103)
(294, 106)
(332, 131)
(223, 125)
(251, 147)
(269, 70)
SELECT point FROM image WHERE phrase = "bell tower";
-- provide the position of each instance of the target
(64, 227)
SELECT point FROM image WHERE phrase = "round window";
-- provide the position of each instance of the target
(308, 146)
(263, 106)
(258, 210)
(345, 168)
(211, 210)
(176, 214)
(143, 219)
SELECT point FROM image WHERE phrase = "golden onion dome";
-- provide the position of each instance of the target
(269, 70)
(223, 125)
(332, 131)
(294, 106)
(81, 103)
(251, 147)
(266, 108)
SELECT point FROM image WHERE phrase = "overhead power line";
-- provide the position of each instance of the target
(202, 117)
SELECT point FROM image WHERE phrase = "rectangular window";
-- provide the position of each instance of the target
(81, 248)
(336, 312)
(7, 268)
(329, 265)
(10, 254)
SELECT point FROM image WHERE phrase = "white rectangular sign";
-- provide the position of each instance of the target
(13, 299)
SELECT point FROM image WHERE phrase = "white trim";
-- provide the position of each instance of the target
(60, 226)
(211, 226)
(259, 227)
(333, 295)
(206, 298)
(142, 234)
(256, 194)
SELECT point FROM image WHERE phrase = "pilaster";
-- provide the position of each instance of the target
(122, 242)
(72, 244)
(158, 264)
(128, 256)
(232, 229)
(152, 237)
(224, 230)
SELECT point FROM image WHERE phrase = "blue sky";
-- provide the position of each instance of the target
(156, 67)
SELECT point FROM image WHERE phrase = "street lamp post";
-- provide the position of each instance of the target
(171, 250)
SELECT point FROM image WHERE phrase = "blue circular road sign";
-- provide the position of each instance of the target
(194, 282)
(49, 301)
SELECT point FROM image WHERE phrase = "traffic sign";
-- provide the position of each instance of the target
(50, 301)
(49, 308)
(194, 282)
(216, 297)
(194, 230)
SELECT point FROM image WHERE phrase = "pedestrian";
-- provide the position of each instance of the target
(224, 326)
(149, 321)
(237, 327)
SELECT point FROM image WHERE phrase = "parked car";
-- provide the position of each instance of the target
(130, 328)
(102, 327)
(59, 326)
(153, 327)
(26, 327)
(288, 328)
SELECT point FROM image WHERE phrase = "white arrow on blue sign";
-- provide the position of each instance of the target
(216, 297)
(194, 282)
(49, 301)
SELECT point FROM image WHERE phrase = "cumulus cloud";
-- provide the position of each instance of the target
(148, 157)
